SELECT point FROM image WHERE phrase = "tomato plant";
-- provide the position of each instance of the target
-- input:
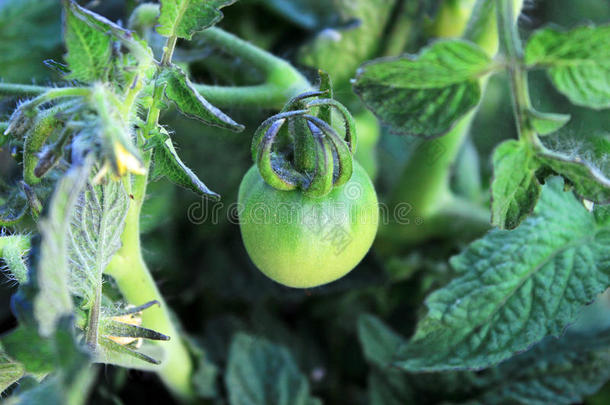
(426, 220)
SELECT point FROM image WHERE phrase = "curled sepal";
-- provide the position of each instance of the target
(344, 168)
(262, 129)
(348, 120)
(322, 181)
(275, 172)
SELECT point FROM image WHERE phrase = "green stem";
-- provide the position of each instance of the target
(138, 286)
(425, 181)
(282, 81)
(133, 277)
(13, 89)
(510, 45)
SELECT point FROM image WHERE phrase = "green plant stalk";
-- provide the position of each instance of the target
(425, 181)
(282, 80)
(133, 277)
(138, 287)
(12, 89)
(510, 46)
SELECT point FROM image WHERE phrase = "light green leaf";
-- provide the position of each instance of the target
(53, 299)
(181, 91)
(262, 373)
(183, 18)
(586, 180)
(536, 278)
(546, 123)
(89, 49)
(427, 94)
(95, 236)
(577, 62)
(167, 163)
(13, 250)
(10, 372)
(515, 188)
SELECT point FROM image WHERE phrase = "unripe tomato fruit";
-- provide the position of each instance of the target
(302, 241)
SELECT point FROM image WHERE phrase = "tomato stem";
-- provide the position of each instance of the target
(425, 180)
(282, 80)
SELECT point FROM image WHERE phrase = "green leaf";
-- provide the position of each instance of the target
(577, 62)
(181, 91)
(95, 236)
(25, 345)
(426, 94)
(262, 373)
(379, 343)
(183, 18)
(340, 50)
(556, 371)
(10, 372)
(561, 372)
(89, 49)
(30, 31)
(515, 287)
(546, 123)
(52, 299)
(586, 180)
(515, 188)
(167, 163)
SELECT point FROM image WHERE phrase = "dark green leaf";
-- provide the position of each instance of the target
(536, 278)
(546, 123)
(183, 18)
(262, 373)
(25, 345)
(167, 163)
(89, 50)
(379, 343)
(427, 94)
(577, 61)
(560, 372)
(515, 188)
(181, 91)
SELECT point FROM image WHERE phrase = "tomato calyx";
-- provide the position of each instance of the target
(298, 148)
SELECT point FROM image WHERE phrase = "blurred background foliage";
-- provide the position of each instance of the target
(194, 246)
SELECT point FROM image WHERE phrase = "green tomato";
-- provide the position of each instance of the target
(301, 241)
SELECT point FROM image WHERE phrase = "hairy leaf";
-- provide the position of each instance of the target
(183, 18)
(262, 373)
(95, 236)
(168, 164)
(577, 62)
(515, 188)
(427, 94)
(586, 179)
(515, 287)
(89, 49)
(181, 91)
(53, 299)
